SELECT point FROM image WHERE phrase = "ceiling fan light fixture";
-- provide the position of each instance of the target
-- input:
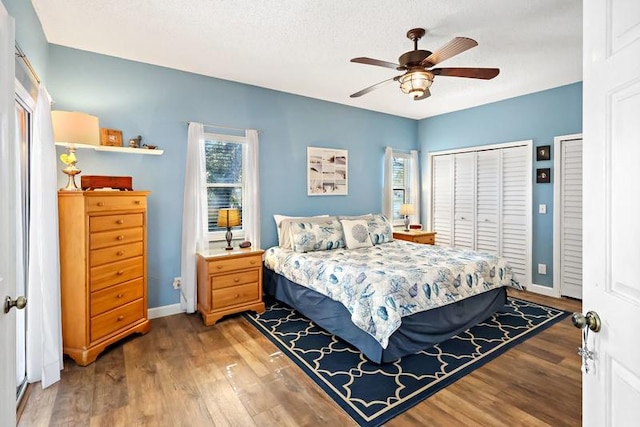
(416, 83)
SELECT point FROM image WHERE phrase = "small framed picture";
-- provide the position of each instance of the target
(543, 176)
(112, 137)
(543, 152)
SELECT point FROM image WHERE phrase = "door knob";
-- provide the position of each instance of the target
(19, 303)
(591, 319)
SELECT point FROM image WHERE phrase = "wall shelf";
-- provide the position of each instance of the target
(127, 150)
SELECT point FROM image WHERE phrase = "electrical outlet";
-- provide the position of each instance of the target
(542, 209)
(177, 282)
(542, 268)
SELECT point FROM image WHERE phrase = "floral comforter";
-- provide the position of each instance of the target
(381, 284)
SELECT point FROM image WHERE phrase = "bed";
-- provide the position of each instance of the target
(388, 298)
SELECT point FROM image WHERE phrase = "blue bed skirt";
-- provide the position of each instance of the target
(417, 332)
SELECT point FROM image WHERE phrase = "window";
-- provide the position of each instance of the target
(401, 184)
(226, 181)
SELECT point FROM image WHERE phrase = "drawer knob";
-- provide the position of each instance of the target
(253, 261)
(219, 267)
(236, 280)
(236, 296)
(119, 295)
(137, 202)
(120, 318)
(120, 253)
(120, 221)
(120, 237)
(101, 204)
(120, 273)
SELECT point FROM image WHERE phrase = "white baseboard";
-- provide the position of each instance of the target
(165, 310)
(543, 290)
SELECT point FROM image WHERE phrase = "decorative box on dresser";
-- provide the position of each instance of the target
(103, 269)
(229, 281)
(416, 236)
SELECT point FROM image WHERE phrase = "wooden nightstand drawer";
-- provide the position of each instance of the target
(416, 236)
(427, 239)
(116, 237)
(235, 264)
(235, 279)
(115, 296)
(114, 320)
(115, 222)
(116, 272)
(228, 297)
(114, 203)
(116, 253)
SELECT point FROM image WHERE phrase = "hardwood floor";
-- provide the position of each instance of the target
(185, 374)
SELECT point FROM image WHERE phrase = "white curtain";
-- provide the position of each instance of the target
(44, 330)
(194, 215)
(387, 191)
(251, 223)
(414, 186)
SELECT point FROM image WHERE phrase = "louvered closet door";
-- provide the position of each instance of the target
(488, 201)
(464, 194)
(571, 219)
(514, 241)
(442, 197)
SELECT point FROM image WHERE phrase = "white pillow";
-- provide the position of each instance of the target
(356, 233)
(284, 238)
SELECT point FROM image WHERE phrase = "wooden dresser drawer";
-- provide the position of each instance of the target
(427, 240)
(115, 296)
(234, 264)
(113, 203)
(116, 237)
(115, 222)
(234, 279)
(222, 298)
(115, 253)
(116, 272)
(114, 320)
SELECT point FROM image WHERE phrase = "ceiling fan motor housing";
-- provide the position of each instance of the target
(412, 58)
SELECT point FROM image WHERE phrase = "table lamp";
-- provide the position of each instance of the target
(228, 218)
(75, 130)
(406, 210)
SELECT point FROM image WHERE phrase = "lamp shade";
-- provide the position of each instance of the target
(75, 128)
(406, 209)
(228, 218)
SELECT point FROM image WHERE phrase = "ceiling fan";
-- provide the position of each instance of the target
(417, 64)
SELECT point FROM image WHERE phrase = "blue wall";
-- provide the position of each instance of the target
(540, 116)
(156, 102)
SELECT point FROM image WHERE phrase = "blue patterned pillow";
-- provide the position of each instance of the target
(316, 236)
(379, 229)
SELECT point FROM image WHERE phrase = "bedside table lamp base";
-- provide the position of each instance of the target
(228, 236)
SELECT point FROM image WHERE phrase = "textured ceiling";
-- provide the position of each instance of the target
(304, 46)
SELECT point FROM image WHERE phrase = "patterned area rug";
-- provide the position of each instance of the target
(372, 394)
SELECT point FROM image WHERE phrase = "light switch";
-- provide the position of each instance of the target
(542, 268)
(542, 209)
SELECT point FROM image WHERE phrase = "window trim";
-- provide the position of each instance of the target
(407, 182)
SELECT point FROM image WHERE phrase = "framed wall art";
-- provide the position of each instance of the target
(543, 176)
(327, 172)
(543, 152)
(112, 137)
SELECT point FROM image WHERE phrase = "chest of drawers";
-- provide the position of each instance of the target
(229, 282)
(103, 269)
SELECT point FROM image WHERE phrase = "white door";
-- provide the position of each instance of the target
(442, 200)
(611, 249)
(568, 215)
(464, 196)
(8, 184)
(488, 201)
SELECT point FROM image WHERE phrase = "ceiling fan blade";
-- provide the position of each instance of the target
(371, 88)
(454, 47)
(473, 73)
(379, 63)
(426, 94)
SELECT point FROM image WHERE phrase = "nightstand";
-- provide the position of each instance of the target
(416, 236)
(229, 282)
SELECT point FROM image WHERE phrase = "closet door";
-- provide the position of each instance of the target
(514, 222)
(488, 201)
(571, 219)
(442, 198)
(464, 196)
